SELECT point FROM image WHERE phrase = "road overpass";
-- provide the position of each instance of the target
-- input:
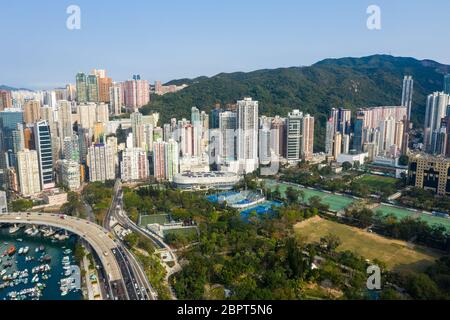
(97, 237)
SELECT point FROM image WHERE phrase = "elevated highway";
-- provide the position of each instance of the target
(97, 237)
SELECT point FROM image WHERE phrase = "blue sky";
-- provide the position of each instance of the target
(187, 38)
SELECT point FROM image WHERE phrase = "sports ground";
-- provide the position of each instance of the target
(336, 202)
(397, 255)
(154, 219)
(341, 202)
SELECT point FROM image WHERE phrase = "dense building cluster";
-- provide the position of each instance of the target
(70, 136)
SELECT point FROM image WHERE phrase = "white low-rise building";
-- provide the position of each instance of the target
(206, 180)
(352, 158)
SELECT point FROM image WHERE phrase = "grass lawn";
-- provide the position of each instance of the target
(397, 255)
(377, 182)
(156, 218)
(185, 231)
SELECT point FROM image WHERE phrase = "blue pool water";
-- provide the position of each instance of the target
(264, 209)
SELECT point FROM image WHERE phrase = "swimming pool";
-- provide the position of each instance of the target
(263, 209)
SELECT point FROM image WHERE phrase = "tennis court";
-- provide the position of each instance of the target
(336, 202)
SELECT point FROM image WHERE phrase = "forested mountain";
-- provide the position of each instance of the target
(348, 82)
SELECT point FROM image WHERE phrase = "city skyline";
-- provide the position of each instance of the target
(200, 38)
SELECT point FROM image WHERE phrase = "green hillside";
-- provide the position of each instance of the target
(349, 82)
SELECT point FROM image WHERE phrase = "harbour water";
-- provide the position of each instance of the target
(40, 251)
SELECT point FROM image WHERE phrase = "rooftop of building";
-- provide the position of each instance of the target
(429, 157)
(212, 174)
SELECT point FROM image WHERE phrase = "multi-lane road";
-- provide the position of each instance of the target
(135, 278)
(124, 276)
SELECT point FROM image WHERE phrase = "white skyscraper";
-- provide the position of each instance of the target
(265, 152)
(247, 135)
(437, 104)
(88, 115)
(102, 113)
(116, 99)
(28, 172)
(407, 94)
(65, 119)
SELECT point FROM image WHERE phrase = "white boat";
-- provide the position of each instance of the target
(14, 229)
(35, 279)
(21, 250)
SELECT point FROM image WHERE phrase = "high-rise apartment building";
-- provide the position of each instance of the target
(88, 115)
(65, 119)
(329, 138)
(104, 87)
(278, 136)
(70, 174)
(116, 99)
(92, 88)
(265, 152)
(307, 149)
(81, 85)
(227, 139)
(28, 172)
(437, 104)
(407, 95)
(135, 165)
(165, 160)
(32, 111)
(136, 93)
(337, 146)
(101, 163)
(247, 135)
(71, 148)
(5, 100)
(447, 84)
